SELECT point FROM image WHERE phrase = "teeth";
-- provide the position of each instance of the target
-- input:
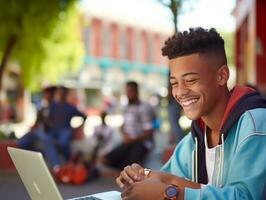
(188, 102)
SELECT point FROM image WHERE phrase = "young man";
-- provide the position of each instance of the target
(223, 155)
(136, 132)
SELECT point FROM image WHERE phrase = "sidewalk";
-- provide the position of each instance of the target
(11, 187)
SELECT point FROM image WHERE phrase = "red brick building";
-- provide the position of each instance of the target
(116, 52)
(251, 42)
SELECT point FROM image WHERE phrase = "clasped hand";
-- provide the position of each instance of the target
(131, 174)
(136, 186)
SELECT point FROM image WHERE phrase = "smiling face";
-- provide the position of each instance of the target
(197, 84)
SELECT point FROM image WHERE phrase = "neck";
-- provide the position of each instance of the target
(214, 119)
(213, 137)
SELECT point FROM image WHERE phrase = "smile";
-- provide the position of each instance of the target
(188, 102)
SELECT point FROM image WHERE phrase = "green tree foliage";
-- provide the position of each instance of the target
(175, 7)
(41, 36)
(229, 47)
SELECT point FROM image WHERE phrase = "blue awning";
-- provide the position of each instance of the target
(105, 63)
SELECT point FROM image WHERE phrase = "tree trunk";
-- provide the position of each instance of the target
(10, 44)
(175, 23)
(174, 7)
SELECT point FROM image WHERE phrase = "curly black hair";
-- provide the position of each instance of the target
(196, 40)
(132, 84)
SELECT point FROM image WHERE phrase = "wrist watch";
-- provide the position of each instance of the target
(171, 192)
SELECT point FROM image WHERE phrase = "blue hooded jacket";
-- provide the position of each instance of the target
(240, 163)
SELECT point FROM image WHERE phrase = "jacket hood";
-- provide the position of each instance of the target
(241, 99)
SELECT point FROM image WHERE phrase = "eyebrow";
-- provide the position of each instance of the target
(186, 74)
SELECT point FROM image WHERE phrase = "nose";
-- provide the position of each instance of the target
(180, 91)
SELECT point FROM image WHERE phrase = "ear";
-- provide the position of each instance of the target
(223, 75)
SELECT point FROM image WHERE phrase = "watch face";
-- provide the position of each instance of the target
(171, 191)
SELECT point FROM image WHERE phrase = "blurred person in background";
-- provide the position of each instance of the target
(4, 108)
(174, 113)
(137, 132)
(103, 135)
(62, 111)
(38, 138)
(222, 157)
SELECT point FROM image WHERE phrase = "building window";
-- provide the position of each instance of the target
(86, 39)
(149, 49)
(106, 41)
(137, 47)
(122, 43)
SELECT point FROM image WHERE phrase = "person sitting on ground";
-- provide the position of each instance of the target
(61, 113)
(38, 138)
(223, 155)
(137, 133)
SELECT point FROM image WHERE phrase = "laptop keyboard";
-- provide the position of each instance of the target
(87, 198)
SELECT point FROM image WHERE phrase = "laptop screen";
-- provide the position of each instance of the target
(38, 180)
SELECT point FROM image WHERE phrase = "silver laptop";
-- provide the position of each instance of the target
(38, 180)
